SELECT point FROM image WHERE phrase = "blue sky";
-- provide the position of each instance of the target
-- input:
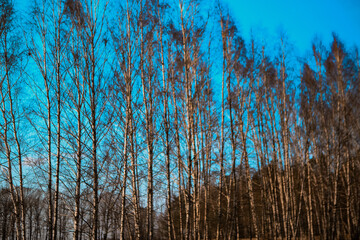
(301, 20)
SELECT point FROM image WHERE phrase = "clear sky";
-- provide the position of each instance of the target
(301, 20)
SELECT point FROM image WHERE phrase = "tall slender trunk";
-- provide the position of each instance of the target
(95, 212)
(49, 137)
(309, 194)
(57, 63)
(227, 69)
(207, 138)
(79, 152)
(125, 169)
(189, 119)
(5, 139)
(233, 180)
(18, 199)
(288, 187)
(179, 160)
(49, 143)
(21, 198)
(148, 103)
(221, 144)
(168, 177)
(196, 206)
(94, 141)
(166, 119)
(249, 179)
(134, 177)
(78, 172)
(128, 93)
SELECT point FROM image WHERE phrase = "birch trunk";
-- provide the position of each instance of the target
(5, 93)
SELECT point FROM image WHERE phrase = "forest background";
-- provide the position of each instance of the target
(158, 120)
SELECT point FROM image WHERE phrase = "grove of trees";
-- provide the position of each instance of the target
(155, 119)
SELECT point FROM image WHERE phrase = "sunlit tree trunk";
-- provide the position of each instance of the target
(189, 113)
(57, 59)
(15, 123)
(6, 102)
(77, 91)
(9, 82)
(93, 73)
(219, 234)
(178, 154)
(166, 119)
(207, 135)
(148, 102)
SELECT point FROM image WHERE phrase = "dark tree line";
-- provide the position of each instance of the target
(155, 119)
